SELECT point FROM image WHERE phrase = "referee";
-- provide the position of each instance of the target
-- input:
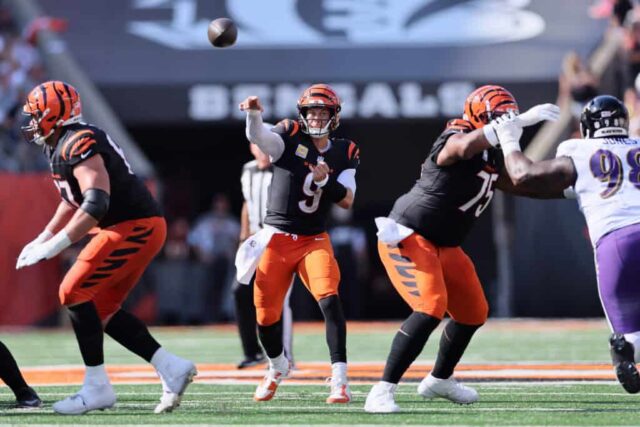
(255, 179)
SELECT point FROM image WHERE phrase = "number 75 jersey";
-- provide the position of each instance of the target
(296, 205)
(608, 181)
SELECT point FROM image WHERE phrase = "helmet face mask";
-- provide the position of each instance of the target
(604, 116)
(314, 101)
(49, 107)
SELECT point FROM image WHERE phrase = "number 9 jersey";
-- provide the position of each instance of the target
(296, 205)
(608, 181)
(129, 198)
(445, 201)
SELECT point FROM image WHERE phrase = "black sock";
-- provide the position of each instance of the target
(408, 344)
(246, 319)
(453, 342)
(271, 339)
(10, 373)
(132, 334)
(336, 328)
(88, 329)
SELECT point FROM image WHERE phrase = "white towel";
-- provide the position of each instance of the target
(249, 253)
(390, 232)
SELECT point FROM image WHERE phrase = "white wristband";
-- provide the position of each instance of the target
(490, 134)
(509, 147)
(58, 243)
(44, 236)
(323, 182)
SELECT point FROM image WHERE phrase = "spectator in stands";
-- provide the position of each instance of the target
(349, 243)
(577, 85)
(180, 280)
(215, 239)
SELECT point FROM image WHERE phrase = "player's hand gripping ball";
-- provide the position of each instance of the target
(222, 32)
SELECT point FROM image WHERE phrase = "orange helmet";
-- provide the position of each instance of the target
(487, 103)
(50, 106)
(319, 95)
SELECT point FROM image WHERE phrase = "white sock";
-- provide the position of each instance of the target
(95, 375)
(387, 385)
(281, 363)
(339, 370)
(634, 339)
(160, 358)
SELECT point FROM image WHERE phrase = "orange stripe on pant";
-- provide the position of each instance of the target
(309, 256)
(112, 263)
(435, 280)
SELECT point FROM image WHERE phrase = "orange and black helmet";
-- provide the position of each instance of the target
(50, 106)
(319, 95)
(487, 103)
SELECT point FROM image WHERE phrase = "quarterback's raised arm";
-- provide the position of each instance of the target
(258, 133)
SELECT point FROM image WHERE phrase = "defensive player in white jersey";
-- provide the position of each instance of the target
(601, 170)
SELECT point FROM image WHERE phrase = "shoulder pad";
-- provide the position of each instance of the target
(287, 127)
(79, 145)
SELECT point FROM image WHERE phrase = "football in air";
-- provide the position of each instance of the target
(222, 32)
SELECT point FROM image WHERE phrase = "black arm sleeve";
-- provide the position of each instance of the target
(96, 203)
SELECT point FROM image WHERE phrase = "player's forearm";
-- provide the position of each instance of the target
(244, 223)
(60, 217)
(347, 201)
(79, 225)
(536, 180)
(269, 142)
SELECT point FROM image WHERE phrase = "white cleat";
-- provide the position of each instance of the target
(381, 399)
(175, 377)
(340, 391)
(267, 388)
(431, 387)
(89, 398)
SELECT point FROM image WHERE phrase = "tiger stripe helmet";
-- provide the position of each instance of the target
(50, 106)
(487, 103)
(319, 95)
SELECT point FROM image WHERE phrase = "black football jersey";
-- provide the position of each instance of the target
(130, 199)
(445, 201)
(296, 205)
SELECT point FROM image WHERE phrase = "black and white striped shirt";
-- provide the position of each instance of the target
(255, 189)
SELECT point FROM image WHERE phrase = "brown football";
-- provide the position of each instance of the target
(222, 32)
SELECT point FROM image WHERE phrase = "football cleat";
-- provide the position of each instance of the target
(340, 391)
(89, 398)
(267, 388)
(27, 399)
(175, 376)
(622, 355)
(431, 387)
(381, 399)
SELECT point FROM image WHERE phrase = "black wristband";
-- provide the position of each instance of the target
(334, 190)
(95, 203)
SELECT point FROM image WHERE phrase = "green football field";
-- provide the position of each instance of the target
(217, 400)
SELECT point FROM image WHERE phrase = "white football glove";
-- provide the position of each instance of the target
(538, 113)
(44, 250)
(42, 237)
(509, 132)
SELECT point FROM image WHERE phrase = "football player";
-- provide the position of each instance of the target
(26, 397)
(312, 171)
(419, 245)
(98, 189)
(601, 170)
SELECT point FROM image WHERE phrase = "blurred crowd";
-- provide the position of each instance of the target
(579, 81)
(20, 69)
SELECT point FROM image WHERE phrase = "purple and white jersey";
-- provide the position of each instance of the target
(608, 182)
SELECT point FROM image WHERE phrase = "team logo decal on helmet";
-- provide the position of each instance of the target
(50, 106)
(487, 103)
(604, 116)
(319, 95)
